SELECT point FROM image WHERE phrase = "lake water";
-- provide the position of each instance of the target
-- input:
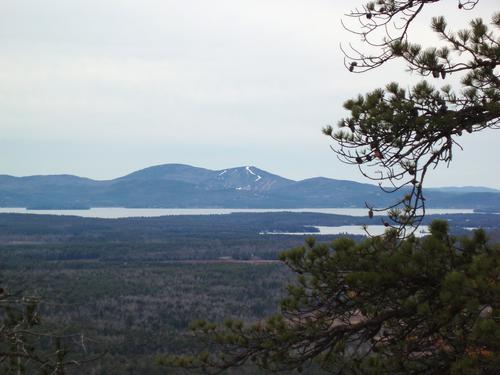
(121, 212)
(373, 230)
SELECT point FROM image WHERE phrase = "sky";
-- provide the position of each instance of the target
(100, 88)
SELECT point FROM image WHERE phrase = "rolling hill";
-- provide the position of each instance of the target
(185, 186)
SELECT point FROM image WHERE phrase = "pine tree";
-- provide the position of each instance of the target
(384, 306)
(397, 135)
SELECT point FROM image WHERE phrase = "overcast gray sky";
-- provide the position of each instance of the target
(100, 88)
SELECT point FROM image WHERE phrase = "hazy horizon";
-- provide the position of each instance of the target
(101, 89)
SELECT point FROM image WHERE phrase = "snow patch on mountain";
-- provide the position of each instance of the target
(249, 170)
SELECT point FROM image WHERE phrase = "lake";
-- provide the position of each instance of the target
(121, 212)
(373, 230)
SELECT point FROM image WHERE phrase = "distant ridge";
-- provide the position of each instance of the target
(464, 189)
(185, 186)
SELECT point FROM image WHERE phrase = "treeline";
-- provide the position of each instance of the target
(35, 238)
(53, 228)
(142, 229)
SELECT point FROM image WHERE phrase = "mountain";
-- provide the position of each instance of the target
(241, 178)
(184, 186)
